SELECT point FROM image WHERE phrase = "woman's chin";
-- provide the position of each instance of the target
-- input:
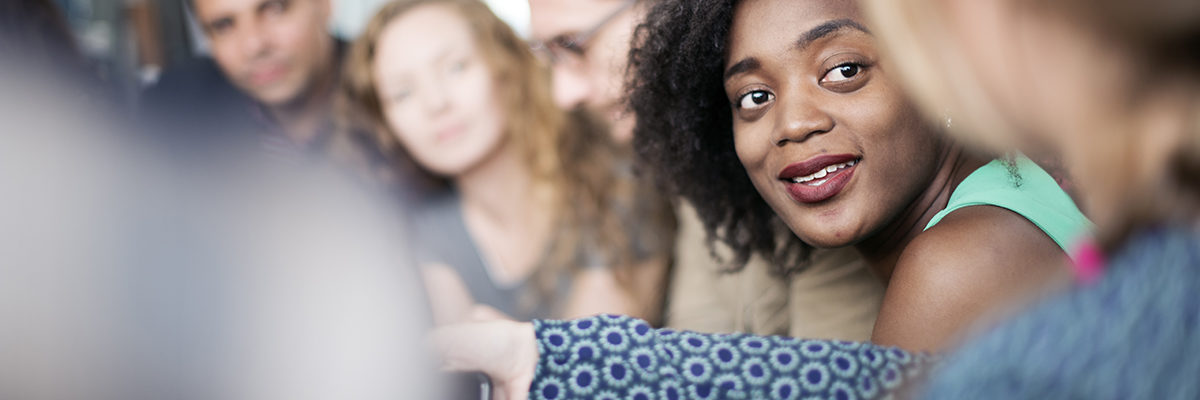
(828, 234)
(829, 242)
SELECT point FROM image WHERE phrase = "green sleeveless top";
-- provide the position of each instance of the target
(1031, 192)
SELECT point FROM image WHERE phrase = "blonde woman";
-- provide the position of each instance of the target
(526, 213)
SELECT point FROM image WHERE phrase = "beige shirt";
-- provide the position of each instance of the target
(836, 297)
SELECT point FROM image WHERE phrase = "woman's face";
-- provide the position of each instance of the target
(823, 131)
(437, 92)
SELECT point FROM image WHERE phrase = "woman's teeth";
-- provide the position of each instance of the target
(822, 173)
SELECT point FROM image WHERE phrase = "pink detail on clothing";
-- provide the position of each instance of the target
(1087, 261)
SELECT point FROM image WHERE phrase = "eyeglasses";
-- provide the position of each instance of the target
(573, 46)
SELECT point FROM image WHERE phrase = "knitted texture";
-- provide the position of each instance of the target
(613, 357)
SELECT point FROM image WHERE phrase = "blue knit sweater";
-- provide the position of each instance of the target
(1135, 334)
(612, 357)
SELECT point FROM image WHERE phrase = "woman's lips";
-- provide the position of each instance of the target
(819, 178)
(450, 132)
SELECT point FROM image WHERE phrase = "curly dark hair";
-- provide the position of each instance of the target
(684, 131)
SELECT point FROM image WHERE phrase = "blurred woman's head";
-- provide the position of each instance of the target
(449, 84)
(794, 115)
(437, 91)
(1113, 86)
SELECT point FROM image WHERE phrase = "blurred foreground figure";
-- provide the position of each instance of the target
(125, 277)
(1114, 87)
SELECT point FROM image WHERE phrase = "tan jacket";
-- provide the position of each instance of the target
(837, 297)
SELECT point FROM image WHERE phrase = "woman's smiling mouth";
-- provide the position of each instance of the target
(819, 178)
(823, 175)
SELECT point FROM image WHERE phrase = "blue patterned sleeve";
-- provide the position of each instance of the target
(614, 357)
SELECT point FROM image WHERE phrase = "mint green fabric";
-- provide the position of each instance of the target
(1032, 193)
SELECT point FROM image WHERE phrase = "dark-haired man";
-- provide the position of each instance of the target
(274, 71)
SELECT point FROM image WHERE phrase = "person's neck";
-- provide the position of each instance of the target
(882, 250)
(499, 189)
(506, 212)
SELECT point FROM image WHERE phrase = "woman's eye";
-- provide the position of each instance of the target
(755, 99)
(458, 66)
(274, 7)
(842, 72)
(400, 95)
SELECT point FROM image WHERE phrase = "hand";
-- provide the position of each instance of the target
(484, 313)
(504, 350)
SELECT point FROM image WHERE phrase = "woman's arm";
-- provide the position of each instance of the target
(450, 301)
(614, 357)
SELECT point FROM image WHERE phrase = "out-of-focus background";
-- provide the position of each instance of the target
(130, 42)
(124, 275)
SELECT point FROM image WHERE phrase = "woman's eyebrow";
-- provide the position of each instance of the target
(743, 66)
(827, 28)
(807, 38)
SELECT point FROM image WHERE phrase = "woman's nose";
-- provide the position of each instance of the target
(799, 118)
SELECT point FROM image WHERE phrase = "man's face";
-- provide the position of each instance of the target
(274, 50)
(595, 77)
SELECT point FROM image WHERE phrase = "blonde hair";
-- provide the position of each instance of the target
(940, 82)
(1159, 36)
(533, 122)
(570, 154)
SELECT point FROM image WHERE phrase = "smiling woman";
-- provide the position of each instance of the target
(811, 138)
(812, 120)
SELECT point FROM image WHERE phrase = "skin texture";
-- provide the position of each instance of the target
(810, 94)
(596, 80)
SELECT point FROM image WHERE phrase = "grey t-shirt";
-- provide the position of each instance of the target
(440, 236)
